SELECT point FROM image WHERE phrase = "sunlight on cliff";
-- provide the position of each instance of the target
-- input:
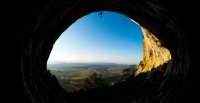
(154, 54)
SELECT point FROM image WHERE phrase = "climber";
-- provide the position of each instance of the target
(100, 13)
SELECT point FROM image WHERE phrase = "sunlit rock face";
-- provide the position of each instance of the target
(154, 55)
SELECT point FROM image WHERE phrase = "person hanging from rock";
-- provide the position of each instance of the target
(100, 13)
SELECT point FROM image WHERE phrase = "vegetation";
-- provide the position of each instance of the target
(140, 89)
(94, 81)
(75, 77)
(96, 88)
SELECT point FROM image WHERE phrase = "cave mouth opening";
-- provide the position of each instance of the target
(99, 49)
(158, 24)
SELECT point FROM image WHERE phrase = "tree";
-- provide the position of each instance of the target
(128, 72)
(94, 81)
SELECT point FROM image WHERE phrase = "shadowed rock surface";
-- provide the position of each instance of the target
(33, 34)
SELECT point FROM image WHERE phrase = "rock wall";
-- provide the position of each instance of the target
(154, 55)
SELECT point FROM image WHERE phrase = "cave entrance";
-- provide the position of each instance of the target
(165, 42)
(99, 49)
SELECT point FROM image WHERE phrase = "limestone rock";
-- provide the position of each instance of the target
(154, 53)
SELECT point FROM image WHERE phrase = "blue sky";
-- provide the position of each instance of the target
(112, 38)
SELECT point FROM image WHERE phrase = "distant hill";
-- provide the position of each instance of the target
(86, 65)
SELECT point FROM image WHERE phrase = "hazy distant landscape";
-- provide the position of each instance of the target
(98, 57)
(77, 76)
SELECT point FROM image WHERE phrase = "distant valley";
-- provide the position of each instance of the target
(81, 76)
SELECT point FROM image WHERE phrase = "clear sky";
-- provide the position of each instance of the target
(92, 38)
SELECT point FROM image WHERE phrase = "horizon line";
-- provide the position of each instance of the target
(56, 61)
